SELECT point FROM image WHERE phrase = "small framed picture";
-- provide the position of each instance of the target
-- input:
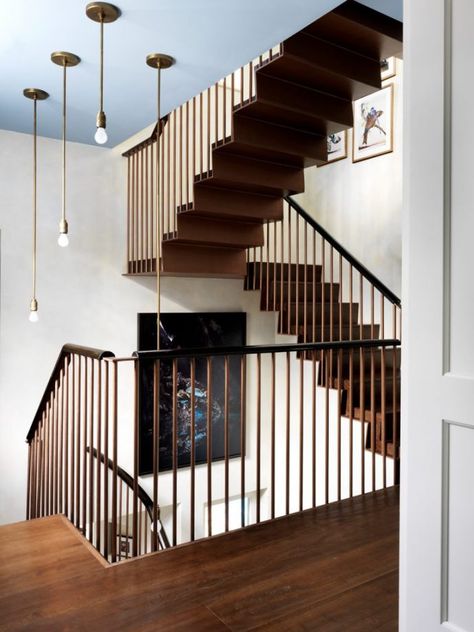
(337, 147)
(373, 125)
(124, 546)
(388, 68)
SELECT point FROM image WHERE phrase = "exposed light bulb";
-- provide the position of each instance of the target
(63, 240)
(101, 136)
(33, 318)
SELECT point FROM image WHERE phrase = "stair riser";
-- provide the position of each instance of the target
(357, 29)
(325, 334)
(389, 362)
(310, 149)
(219, 233)
(265, 176)
(332, 313)
(270, 270)
(337, 71)
(268, 302)
(182, 260)
(326, 111)
(211, 202)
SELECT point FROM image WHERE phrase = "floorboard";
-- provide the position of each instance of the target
(330, 569)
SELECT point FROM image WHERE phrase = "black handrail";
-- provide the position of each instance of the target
(389, 295)
(66, 351)
(142, 495)
(127, 479)
(336, 345)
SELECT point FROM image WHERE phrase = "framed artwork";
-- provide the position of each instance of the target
(373, 125)
(388, 68)
(124, 546)
(337, 147)
(187, 330)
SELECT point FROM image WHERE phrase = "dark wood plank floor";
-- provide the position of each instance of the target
(333, 569)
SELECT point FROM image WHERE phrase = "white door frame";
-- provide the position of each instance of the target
(437, 454)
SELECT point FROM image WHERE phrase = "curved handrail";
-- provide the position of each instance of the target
(128, 480)
(141, 493)
(66, 351)
(377, 283)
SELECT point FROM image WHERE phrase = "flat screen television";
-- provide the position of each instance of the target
(190, 330)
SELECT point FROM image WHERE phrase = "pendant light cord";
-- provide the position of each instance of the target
(101, 84)
(63, 216)
(158, 214)
(34, 192)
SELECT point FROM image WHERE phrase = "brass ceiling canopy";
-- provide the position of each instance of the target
(160, 60)
(102, 12)
(62, 58)
(35, 93)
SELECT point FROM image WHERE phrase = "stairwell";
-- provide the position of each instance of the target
(296, 96)
(301, 95)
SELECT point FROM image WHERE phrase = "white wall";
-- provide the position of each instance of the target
(360, 203)
(83, 297)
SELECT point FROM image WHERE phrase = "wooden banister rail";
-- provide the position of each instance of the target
(357, 265)
(66, 351)
(234, 411)
(148, 141)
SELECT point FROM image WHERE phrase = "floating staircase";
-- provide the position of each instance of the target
(302, 95)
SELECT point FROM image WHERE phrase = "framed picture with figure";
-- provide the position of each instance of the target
(373, 125)
(388, 68)
(337, 147)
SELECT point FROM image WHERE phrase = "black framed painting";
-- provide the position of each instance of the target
(184, 330)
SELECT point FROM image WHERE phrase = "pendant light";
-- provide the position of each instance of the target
(160, 62)
(104, 13)
(36, 95)
(66, 60)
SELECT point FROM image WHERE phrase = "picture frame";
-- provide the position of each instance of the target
(337, 147)
(373, 125)
(186, 330)
(388, 68)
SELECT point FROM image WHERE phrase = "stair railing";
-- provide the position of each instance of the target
(321, 291)
(185, 149)
(72, 426)
(220, 438)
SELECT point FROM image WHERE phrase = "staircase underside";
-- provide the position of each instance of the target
(302, 95)
(329, 569)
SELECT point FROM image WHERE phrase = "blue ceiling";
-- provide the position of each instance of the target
(209, 38)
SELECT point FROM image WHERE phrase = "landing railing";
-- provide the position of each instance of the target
(321, 291)
(72, 463)
(188, 135)
(213, 439)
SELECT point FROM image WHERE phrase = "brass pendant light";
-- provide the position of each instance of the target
(160, 62)
(36, 95)
(104, 13)
(66, 60)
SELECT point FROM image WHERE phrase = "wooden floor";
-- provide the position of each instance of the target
(333, 569)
